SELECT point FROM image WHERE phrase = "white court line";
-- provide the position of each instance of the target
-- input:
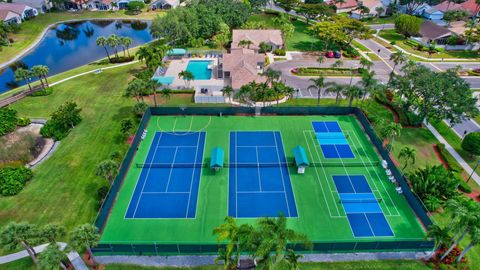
(257, 192)
(370, 226)
(318, 177)
(164, 192)
(236, 176)
(258, 170)
(258, 146)
(146, 178)
(381, 182)
(174, 124)
(181, 146)
(283, 177)
(171, 169)
(193, 173)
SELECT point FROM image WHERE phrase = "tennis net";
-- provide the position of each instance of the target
(256, 165)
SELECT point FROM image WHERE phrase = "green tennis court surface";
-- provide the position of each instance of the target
(343, 197)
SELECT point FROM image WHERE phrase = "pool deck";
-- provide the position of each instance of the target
(177, 66)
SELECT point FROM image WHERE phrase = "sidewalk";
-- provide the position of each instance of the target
(73, 256)
(454, 153)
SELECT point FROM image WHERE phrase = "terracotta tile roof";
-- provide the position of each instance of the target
(471, 6)
(371, 4)
(273, 36)
(242, 65)
(347, 4)
(445, 6)
(17, 8)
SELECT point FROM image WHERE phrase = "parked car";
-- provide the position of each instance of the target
(337, 54)
(329, 54)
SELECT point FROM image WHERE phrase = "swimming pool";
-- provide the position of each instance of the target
(199, 69)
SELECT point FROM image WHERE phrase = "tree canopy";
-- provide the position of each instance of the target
(407, 25)
(471, 143)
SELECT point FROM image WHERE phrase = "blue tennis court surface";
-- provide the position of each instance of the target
(256, 190)
(332, 140)
(361, 206)
(169, 191)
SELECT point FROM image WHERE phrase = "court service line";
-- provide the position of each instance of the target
(258, 170)
(174, 124)
(193, 172)
(281, 173)
(369, 225)
(146, 177)
(171, 169)
(236, 176)
(318, 176)
(381, 182)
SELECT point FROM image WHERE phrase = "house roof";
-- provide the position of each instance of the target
(273, 36)
(433, 11)
(17, 8)
(445, 6)
(347, 4)
(457, 27)
(471, 6)
(6, 15)
(242, 65)
(31, 3)
(432, 31)
(371, 4)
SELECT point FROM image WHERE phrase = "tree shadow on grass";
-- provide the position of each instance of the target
(122, 113)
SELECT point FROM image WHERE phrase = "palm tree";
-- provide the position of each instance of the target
(16, 235)
(23, 74)
(227, 91)
(187, 76)
(102, 41)
(364, 63)
(52, 232)
(292, 259)
(321, 60)
(153, 85)
(245, 43)
(389, 132)
(474, 233)
(369, 83)
(319, 83)
(272, 75)
(127, 42)
(408, 155)
(122, 43)
(277, 90)
(228, 231)
(166, 93)
(37, 73)
(144, 53)
(107, 169)
(85, 237)
(352, 92)
(52, 257)
(136, 88)
(398, 58)
(337, 89)
(113, 41)
(441, 235)
(43, 70)
(337, 64)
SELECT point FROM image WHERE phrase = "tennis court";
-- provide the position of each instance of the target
(168, 184)
(170, 194)
(362, 208)
(259, 182)
(332, 140)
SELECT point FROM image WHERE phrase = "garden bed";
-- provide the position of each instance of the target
(331, 72)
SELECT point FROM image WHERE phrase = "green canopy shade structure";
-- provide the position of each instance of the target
(216, 158)
(301, 159)
(177, 52)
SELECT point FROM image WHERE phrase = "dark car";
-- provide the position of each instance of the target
(329, 54)
(337, 54)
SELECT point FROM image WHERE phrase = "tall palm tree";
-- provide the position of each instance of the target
(228, 231)
(23, 74)
(398, 58)
(227, 91)
(292, 259)
(153, 85)
(245, 43)
(102, 41)
(278, 89)
(165, 93)
(37, 73)
(364, 63)
(474, 233)
(352, 92)
(113, 41)
(85, 237)
(127, 42)
(408, 154)
(337, 64)
(319, 83)
(441, 235)
(144, 54)
(187, 76)
(337, 89)
(369, 83)
(136, 88)
(107, 169)
(272, 75)
(43, 70)
(391, 131)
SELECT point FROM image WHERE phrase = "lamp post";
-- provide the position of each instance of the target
(474, 169)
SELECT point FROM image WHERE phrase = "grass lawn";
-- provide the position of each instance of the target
(387, 264)
(379, 20)
(300, 40)
(30, 30)
(391, 35)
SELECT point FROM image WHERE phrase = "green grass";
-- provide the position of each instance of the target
(386, 264)
(31, 29)
(392, 35)
(328, 72)
(300, 40)
(360, 46)
(22, 264)
(320, 215)
(379, 20)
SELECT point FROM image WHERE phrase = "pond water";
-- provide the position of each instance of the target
(71, 45)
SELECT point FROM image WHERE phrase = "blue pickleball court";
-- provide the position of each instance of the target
(259, 182)
(332, 141)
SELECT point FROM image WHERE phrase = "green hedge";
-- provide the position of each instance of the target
(121, 59)
(13, 179)
(463, 186)
(451, 162)
(8, 120)
(316, 71)
(24, 121)
(44, 92)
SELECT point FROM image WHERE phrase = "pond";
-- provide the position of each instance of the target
(70, 45)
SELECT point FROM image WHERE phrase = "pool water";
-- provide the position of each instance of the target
(199, 69)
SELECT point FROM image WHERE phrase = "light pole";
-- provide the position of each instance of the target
(473, 171)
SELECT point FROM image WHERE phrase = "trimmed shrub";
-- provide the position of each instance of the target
(350, 53)
(8, 120)
(140, 108)
(463, 186)
(280, 52)
(24, 121)
(136, 5)
(451, 163)
(12, 180)
(122, 59)
(44, 92)
(471, 143)
(66, 117)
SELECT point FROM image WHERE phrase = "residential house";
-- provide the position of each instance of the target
(447, 5)
(164, 4)
(25, 12)
(75, 4)
(433, 34)
(100, 4)
(433, 14)
(10, 17)
(242, 66)
(348, 6)
(372, 6)
(123, 4)
(256, 37)
(41, 6)
(472, 7)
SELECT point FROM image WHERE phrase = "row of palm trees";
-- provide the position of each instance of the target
(39, 71)
(154, 53)
(25, 235)
(138, 88)
(265, 242)
(114, 41)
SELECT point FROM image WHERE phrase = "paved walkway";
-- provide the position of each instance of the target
(73, 256)
(454, 153)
